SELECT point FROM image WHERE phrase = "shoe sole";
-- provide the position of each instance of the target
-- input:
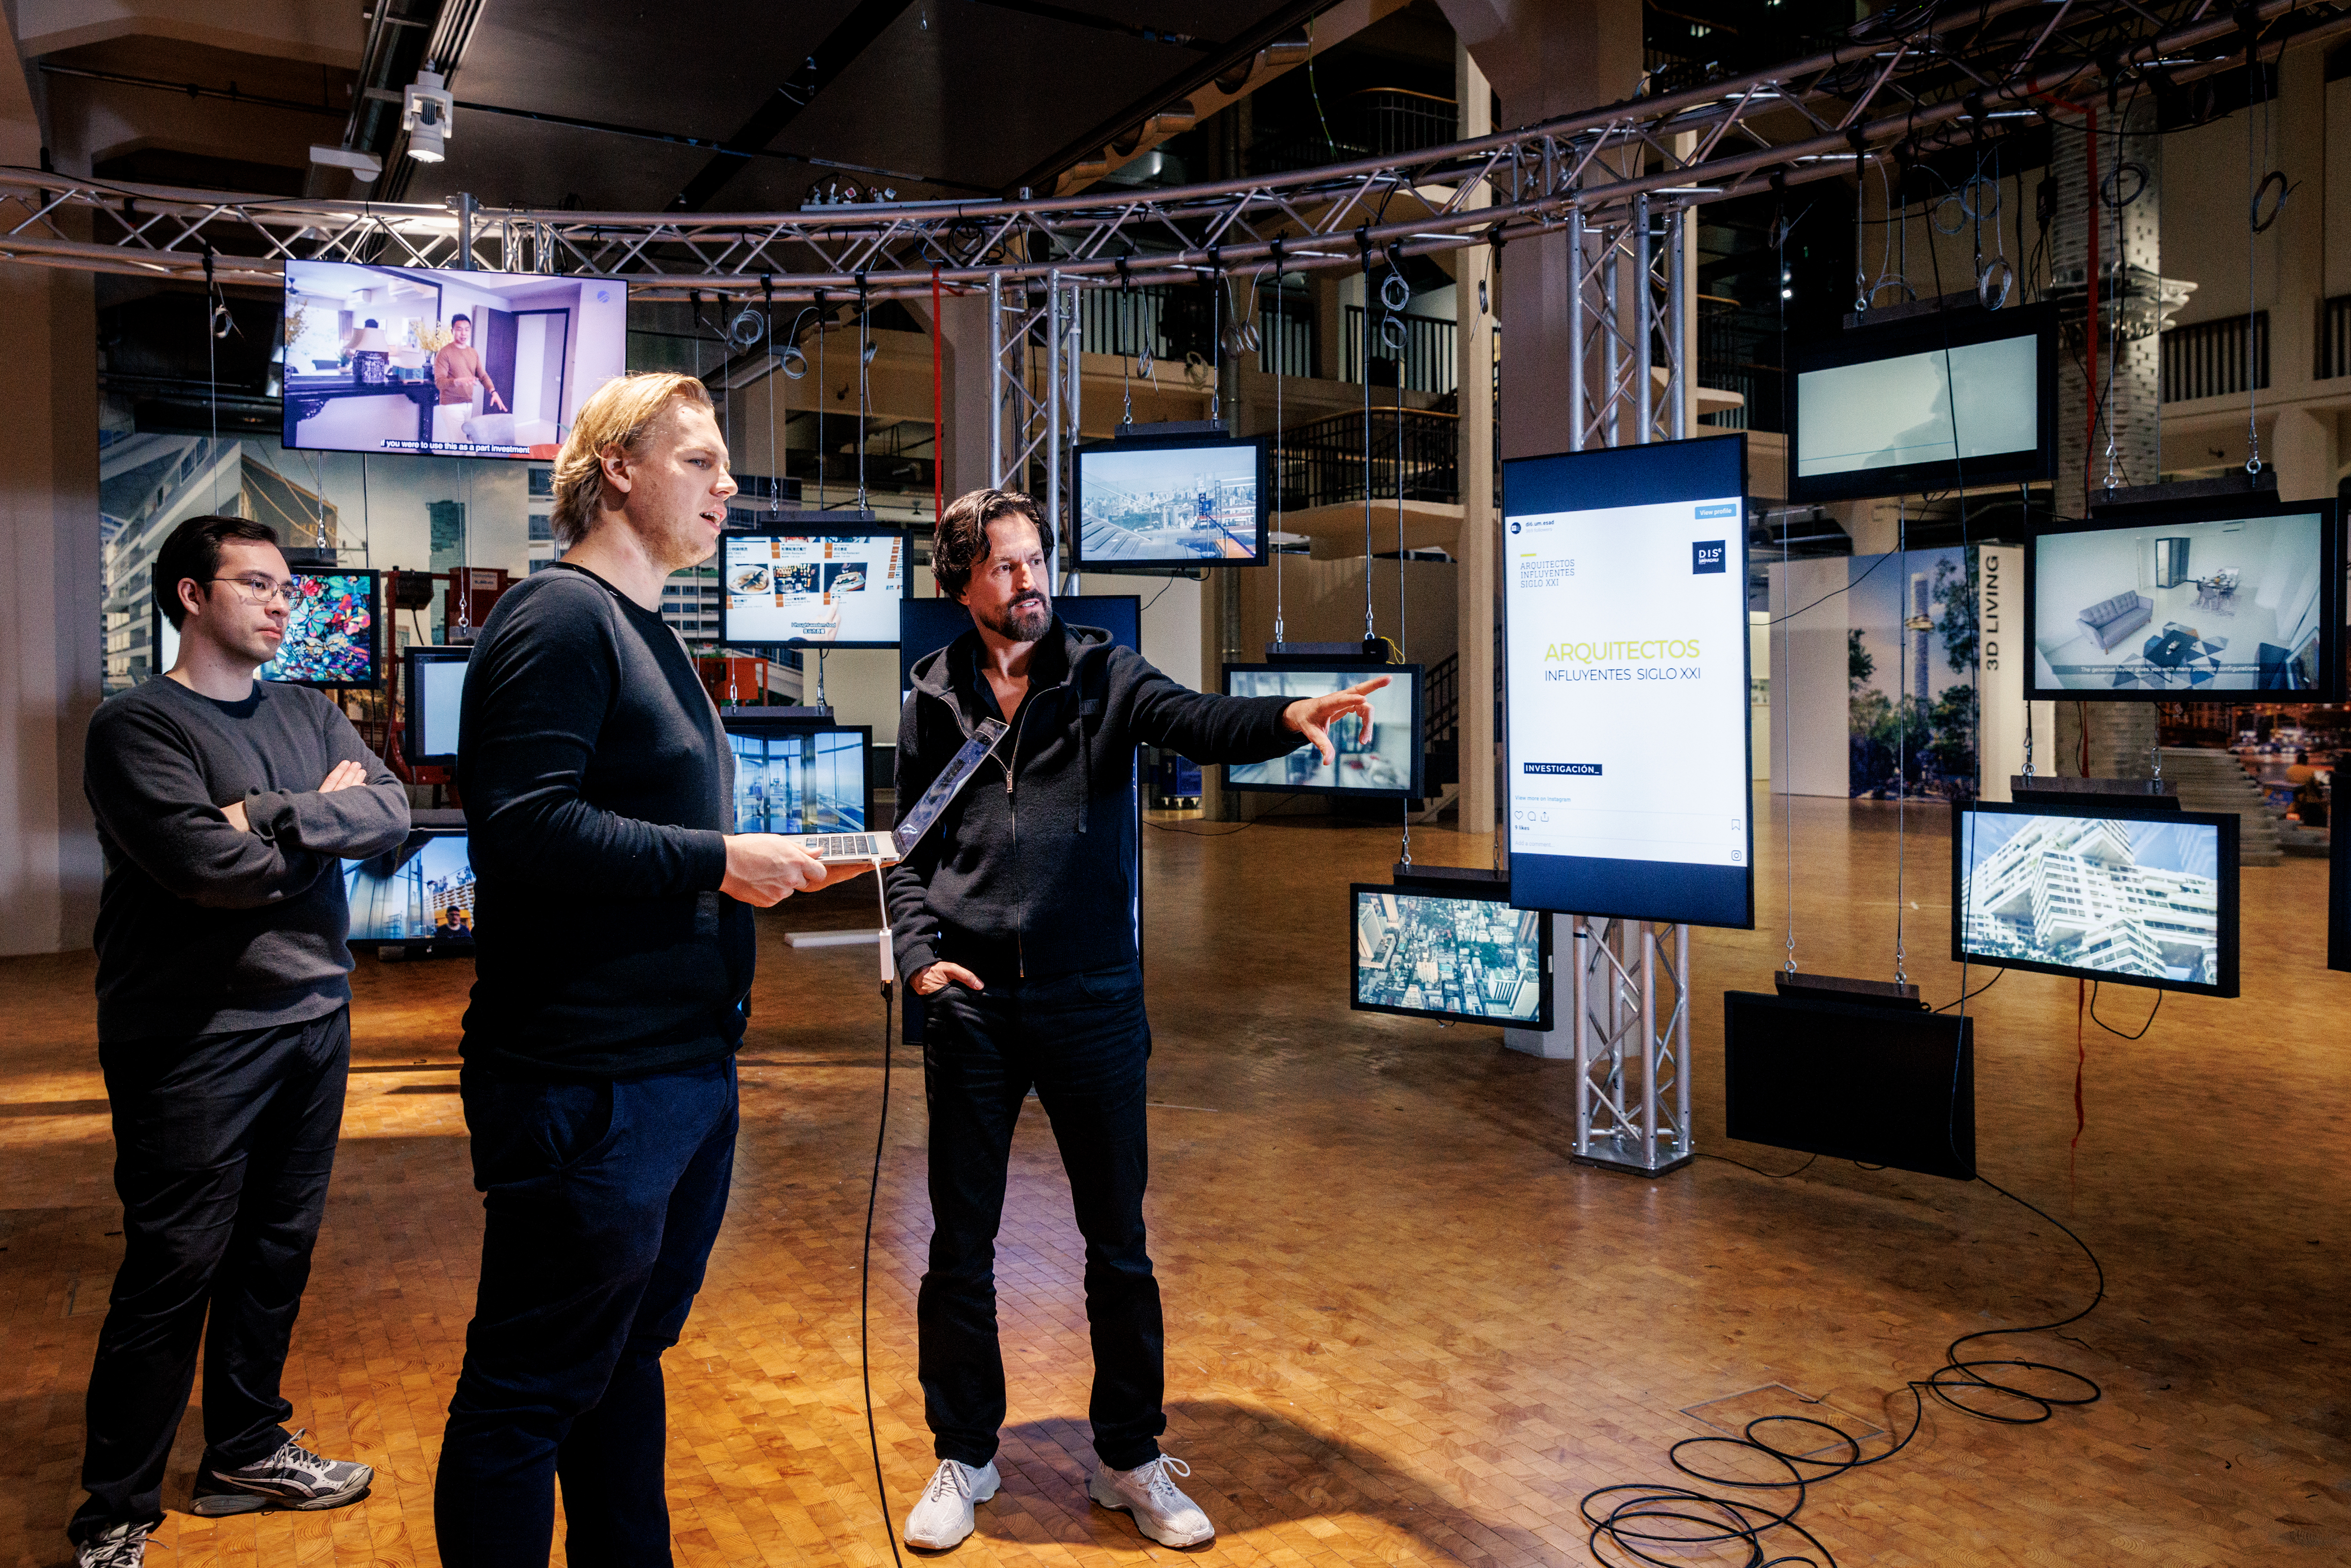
(976, 1498)
(1120, 1505)
(222, 1505)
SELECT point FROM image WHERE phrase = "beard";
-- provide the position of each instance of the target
(1022, 621)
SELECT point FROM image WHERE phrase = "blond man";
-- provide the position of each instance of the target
(612, 959)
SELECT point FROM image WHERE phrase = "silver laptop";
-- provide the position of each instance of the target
(900, 842)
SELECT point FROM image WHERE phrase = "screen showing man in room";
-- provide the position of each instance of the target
(1379, 758)
(1148, 505)
(1461, 957)
(1973, 400)
(424, 891)
(799, 781)
(2126, 896)
(842, 590)
(2185, 608)
(468, 364)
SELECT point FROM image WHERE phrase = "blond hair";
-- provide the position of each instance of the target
(620, 414)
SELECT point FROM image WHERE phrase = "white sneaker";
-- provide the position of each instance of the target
(1161, 1510)
(944, 1516)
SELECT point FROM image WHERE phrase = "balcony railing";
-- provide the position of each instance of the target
(1322, 464)
(1168, 323)
(1426, 354)
(1376, 123)
(2335, 337)
(1738, 351)
(2212, 358)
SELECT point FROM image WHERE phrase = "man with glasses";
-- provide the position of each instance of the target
(224, 807)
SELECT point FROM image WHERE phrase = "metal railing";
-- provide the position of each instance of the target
(1322, 464)
(1442, 698)
(1285, 336)
(1169, 322)
(2335, 337)
(1375, 122)
(1738, 351)
(2210, 359)
(1430, 361)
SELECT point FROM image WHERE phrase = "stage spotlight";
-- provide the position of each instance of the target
(425, 114)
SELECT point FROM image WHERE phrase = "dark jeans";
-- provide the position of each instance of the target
(1082, 1042)
(223, 1145)
(602, 1200)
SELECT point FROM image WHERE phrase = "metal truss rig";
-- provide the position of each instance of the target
(1911, 80)
(1632, 1059)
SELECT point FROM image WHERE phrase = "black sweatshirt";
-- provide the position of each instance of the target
(1032, 870)
(203, 928)
(598, 789)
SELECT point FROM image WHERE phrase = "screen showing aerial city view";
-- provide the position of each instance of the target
(2121, 896)
(1160, 505)
(1472, 958)
(423, 890)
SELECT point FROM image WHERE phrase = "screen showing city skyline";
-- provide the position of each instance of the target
(1150, 505)
(420, 892)
(2146, 899)
(1437, 954)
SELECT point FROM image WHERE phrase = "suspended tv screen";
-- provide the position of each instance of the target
(794, 777)
(1170, 502)
(1451, 951)
(435, 695)
(2179, 603)
(1880, 1085)
(839, 589)
(454, 364)
(418, 895)
(1932, 402)
(2097, 891)
(1625, 594)
(1383, 758)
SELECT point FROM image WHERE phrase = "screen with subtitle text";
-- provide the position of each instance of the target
(1625, 596)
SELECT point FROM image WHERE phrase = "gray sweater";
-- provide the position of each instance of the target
(202, 928)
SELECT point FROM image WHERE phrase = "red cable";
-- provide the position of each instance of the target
(2090, 327)
(938, 409)
(2081, 1059)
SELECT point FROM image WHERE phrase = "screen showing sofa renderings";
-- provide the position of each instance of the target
(1382, 757)
(2183, 604)
(455, 364)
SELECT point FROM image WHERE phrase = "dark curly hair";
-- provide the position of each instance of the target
(961, 542)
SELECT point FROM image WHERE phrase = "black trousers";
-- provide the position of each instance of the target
(222, 1145)
(1082, 1042)
(601, 1201)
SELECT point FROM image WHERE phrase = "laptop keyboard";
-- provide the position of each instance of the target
(843, 846)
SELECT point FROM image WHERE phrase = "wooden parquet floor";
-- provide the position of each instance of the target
(1402, 1328)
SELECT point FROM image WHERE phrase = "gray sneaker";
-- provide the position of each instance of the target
(124, 1546)
(293, 1478)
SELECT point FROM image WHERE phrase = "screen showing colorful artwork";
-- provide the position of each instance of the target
(1152, 504)
(420, 892)
(463, 364)
(331, 639)
(1382, 757)
(799, 781)
(839, 590)
(1475, 958)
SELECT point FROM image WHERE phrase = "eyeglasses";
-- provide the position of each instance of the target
(259, 590)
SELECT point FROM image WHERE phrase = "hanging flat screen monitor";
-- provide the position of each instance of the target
(841, 589)
(456, 364)
(1381, 759)
(436, 682)
(1965, 396)
(1624, 593)
(2097, 891)
(418, 895)
(792, 776)
(2177, 603)
(1883, 1086)
(1170, 502)
(332, 638)
(926, 625)
(2338, 887)
(1455, 953)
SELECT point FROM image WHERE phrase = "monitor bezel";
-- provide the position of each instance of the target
(1963, 327)
(2227, 868)
(1415, 683)
(1076, 554)
(751, 721)
(830, 530)
(411, 721)
(421, 945)
(1497, 893)
(1962, 1165)
(2187, 513)
(375, 632)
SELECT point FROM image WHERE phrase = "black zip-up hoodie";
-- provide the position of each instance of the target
(1031, 871)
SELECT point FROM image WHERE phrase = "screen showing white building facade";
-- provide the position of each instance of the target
(2126, 896)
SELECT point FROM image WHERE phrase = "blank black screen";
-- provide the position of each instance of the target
(1875, 1084)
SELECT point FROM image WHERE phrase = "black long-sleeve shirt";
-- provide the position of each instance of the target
(598, 790)
(204, 928)
(1032, 870)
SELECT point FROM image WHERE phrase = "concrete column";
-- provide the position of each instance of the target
(2303, 446)
(968, 405)
(1480, 547)
(51, 644)
(2129, 368)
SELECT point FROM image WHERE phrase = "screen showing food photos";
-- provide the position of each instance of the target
(1444, 955)
(2185, 606)
(420, 892)
(1157, 504)
(1382, 757)
(798, 779)
(435, 696)
(456, 364)
(840, 590)
(2147, 899)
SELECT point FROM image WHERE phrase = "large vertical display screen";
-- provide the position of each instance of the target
(1626, 595)
(457, 364)
(836, 590)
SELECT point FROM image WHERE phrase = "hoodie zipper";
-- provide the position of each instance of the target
(1012, 810)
